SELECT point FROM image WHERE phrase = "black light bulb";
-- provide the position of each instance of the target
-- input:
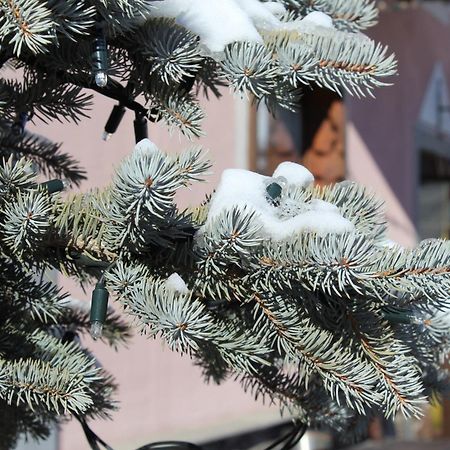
(114, 120)
(18, 127)
(140, 127)
(100, 58)
(53, 186)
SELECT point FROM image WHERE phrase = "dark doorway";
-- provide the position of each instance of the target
(314, 136)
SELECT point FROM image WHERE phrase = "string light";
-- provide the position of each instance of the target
(399, 316)
(54, 186)
(274, 188)
(100, 57)
(140, 127)
(99, 309)
(113, 122)
(18, 127)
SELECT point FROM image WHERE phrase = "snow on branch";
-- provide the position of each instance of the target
(162, 49)
(288, 286)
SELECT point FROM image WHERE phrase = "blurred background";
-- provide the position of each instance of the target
(397, 144)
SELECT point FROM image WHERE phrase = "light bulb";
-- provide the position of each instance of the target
(274, 188)
(113, 122)
(99, 309)
(96, 330)
(66, 183)
(101, 79)
(53, 186)
(106, 136)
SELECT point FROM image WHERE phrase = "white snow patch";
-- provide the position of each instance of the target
(146, 146)
(320, 222)
(217, 22)
(294, 173)
(177, 284)
(247, 191)
(239, 187)
(261, 16)
(222, 22)
(275, 8)
(318, 18)
(321, 205)
(313, 22)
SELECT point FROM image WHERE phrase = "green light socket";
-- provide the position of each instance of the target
(53, 186)
(274, 191)
(99, 304)
(398, 317)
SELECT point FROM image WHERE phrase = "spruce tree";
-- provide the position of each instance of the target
(290, 288)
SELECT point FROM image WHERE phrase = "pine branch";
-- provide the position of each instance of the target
(15, 176)
(163, 59)
(394, 363)
(347, 14)
(185, 324)
(27, 223)
(179, 110)
(342, 373)
(171, 51)
(20, 421)
(47, 98)
(37, 383)
(332, 59)
(250, 67)
(233, 260)
(72, 18)
(303, 320)
(44, 154)
(26, 23)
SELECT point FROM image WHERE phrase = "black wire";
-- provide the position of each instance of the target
(281, 439)
(295, 439)
(170, 445)
(91, 437)
(290, 439)
(94, 440)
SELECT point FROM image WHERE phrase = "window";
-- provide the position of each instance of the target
(314, 137)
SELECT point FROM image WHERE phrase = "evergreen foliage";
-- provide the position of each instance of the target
(333, 328)
(44, 373)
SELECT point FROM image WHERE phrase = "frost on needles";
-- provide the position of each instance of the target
(289, 288)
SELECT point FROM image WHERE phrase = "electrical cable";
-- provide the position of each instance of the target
(290, 439)
(170, 445)
(296, 437)
(93, 439)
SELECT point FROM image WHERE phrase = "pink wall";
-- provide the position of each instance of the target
(162, 396)
(386, 124)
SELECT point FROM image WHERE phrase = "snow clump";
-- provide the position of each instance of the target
(177, 284)
(246, 190)
(222, 22)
